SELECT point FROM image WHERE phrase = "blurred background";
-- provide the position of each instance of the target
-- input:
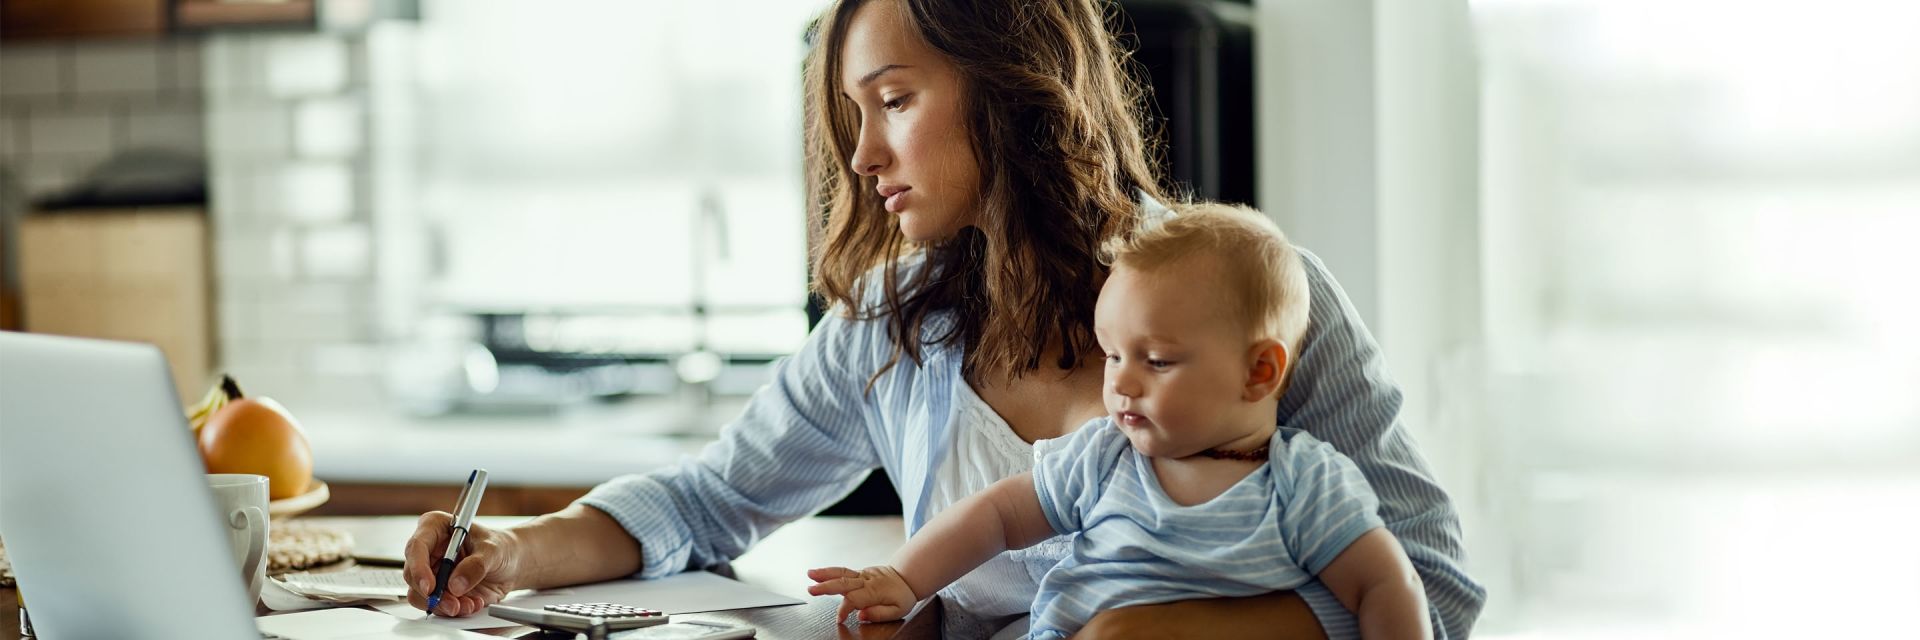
(1644, 268)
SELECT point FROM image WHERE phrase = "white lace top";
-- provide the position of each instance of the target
(985, 449)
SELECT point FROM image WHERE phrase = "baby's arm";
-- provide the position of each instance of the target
(1003, 516)
(1373, 578)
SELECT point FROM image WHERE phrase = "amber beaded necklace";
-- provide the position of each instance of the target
(1256, 455)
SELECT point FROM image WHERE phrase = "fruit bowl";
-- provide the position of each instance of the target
(284, 508)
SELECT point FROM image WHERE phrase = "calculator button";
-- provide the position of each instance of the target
(603, 610)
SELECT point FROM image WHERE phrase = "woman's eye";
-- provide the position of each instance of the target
(894, 104)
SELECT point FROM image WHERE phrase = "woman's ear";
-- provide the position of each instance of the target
(1267, 368)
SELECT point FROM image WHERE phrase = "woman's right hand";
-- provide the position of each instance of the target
(488, 569)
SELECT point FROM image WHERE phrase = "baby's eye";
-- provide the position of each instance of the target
(1113, 358)
(1159, 364)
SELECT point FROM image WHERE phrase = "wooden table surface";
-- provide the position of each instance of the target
(777, 564)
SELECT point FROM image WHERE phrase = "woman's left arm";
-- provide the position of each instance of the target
(1341, 394)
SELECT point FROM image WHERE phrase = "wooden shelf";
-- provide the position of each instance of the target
(26, 20)
(213, 14)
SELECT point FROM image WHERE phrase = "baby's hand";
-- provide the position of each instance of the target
(878, 592)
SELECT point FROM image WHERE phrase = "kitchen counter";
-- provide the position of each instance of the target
(576, 447)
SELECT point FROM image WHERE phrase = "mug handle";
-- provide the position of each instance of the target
(254, 521)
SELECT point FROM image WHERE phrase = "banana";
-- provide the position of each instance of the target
(197, 415)
(217, 398)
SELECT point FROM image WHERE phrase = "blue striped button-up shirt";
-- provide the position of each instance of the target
(812, 434)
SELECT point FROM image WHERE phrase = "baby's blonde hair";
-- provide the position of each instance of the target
(1261, 274)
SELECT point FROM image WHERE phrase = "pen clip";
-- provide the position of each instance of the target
(470, 495)
(461, 501)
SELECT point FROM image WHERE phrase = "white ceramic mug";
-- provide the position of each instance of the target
(242, 499)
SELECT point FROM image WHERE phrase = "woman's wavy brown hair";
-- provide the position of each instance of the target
(1056, 125)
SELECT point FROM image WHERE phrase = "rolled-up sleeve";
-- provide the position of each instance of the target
(1341, 393)
(802, 443)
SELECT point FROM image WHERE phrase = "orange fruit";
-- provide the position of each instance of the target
(259, 437)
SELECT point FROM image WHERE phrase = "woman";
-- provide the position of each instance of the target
(971, 156)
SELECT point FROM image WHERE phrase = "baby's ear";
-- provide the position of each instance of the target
(1267, 363)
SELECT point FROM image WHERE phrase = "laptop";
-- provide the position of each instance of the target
(106, 513)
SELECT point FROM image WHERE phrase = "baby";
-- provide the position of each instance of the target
(1187, 489)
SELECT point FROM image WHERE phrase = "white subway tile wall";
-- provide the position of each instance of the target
(7, 138)
(241, 128)
(316, 192)
(315, 315)
(253, 255)
(67, 107)
(187, 68)
(131, 68)
(285, 131)
(334, 254)
(64, 137)
(328, 128)
(280, 119)
(33, 71)
(176, 127)
(300, 66)
(347, 361)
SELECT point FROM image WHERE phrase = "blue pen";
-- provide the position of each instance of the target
(462, 518)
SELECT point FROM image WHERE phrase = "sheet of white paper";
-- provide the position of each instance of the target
(406, 611)
(278, 598)
(691, 592)
(354, 623)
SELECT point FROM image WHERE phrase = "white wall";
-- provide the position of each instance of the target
(1368, 158)
(1318, 162)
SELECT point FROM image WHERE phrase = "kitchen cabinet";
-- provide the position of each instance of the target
(140, 275)
(68, 19)
(56, 20)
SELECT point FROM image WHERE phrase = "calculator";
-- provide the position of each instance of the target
(591, 618)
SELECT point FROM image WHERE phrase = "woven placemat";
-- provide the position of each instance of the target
(291, 546)
(295, 546)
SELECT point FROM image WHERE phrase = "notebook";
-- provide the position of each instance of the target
(360, 584)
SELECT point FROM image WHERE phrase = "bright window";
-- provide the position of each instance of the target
(1701, 288)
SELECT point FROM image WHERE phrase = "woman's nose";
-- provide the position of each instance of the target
(869, 154)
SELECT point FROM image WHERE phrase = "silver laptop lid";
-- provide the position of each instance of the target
(106, 515)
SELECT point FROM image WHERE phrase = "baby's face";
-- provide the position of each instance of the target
(1177, 362)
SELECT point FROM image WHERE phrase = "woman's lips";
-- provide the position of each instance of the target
(897, 202)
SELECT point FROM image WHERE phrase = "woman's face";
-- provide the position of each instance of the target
(913, 133)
